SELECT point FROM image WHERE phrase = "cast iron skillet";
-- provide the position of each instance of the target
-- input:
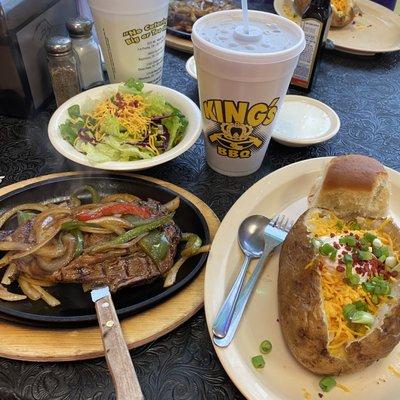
(76, 307)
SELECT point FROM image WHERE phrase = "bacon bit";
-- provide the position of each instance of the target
(348, 248)
(358, 245)
(346, 231)
(320, 266)
(394, 273)
(134, 103)
(344, 253)
(357, 237)
(359, 270)
(340, 268)
(336, 245)
(332, 235)
(320, 395)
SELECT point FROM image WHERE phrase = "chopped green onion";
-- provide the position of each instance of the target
(348, 259)
(316, 243)
(354, 226)
(362, 317)
(339, 224)
(348, 240)
(364, 255)
(265, 346)
(369, 237)
(327, 383)
(333, 255)
(258, 361)
(326, 249)
(377, 286)
(381, 251)
(382, 258)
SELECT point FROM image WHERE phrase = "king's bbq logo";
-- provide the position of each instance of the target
(237, 124)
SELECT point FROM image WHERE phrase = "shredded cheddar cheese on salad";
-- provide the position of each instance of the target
(357, 264)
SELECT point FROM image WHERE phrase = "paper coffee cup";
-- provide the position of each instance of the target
(132, 37)
(242, 82)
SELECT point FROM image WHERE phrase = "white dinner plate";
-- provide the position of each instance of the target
(282, 378)
(377, 30)
(177, 99)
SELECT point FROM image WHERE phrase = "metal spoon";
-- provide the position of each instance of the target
(251, 241)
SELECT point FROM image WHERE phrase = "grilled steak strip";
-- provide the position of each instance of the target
(133, 268)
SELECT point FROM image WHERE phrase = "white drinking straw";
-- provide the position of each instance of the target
(245, 11)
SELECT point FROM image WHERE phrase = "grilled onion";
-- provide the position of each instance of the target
(7, 246)
(54, 265)
(8, 296)
(129, 198)
(28, 206)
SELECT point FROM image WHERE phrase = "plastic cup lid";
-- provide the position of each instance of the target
(242, 56)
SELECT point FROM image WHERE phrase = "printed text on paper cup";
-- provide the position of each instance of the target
(237, 125)
(135, 35)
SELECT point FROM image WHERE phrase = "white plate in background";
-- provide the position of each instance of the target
(377, 30)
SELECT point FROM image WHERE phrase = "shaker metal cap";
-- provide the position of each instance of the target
(79, 27)
(58, 45)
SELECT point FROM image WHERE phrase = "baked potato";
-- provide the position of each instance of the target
(343, 11)
(338, 293)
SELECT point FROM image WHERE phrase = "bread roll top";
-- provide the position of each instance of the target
(353, 185)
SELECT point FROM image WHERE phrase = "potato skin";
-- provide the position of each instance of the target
(338, 19)
(302, 318)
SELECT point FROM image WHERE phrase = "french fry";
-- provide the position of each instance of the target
(29, 290)
(9, 274)
(47, 297)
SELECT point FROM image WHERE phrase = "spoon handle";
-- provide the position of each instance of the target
(225, 313)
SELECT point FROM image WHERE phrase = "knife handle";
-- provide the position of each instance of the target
(119, 361)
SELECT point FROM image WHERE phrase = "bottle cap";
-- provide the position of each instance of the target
(79, 27)
(58, 45)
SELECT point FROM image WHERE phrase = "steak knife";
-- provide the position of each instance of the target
(119, 362)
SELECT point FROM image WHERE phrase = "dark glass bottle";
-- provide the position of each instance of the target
(315, 22)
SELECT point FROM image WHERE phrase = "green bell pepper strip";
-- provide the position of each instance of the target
(78, 235)
(74, 225)
(75, 201)
(193, 243)
(131, 234)
(156, 245)
(24, 216)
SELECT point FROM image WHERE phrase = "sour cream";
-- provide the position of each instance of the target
(301, 120)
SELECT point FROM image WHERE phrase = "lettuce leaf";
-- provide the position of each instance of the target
(74, 111)
(128, 152)
(69, 130)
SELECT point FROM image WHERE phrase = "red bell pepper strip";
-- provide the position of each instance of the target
(111, 209)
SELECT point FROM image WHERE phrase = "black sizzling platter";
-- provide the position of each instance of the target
(76, 307)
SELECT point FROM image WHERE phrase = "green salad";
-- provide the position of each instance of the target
(127, 125)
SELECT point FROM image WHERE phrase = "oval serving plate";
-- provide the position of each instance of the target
(76, 307)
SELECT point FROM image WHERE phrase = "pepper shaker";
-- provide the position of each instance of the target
(63, 68)
(87, 52)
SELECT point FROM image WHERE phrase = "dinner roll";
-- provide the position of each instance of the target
(352, 186)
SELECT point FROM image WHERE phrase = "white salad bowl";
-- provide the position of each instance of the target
(178, 100)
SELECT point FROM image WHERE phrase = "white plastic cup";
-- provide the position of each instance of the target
(132, 37)
(241, 92)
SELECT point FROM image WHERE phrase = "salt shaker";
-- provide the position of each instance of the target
(63, 68)
(87, 52)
